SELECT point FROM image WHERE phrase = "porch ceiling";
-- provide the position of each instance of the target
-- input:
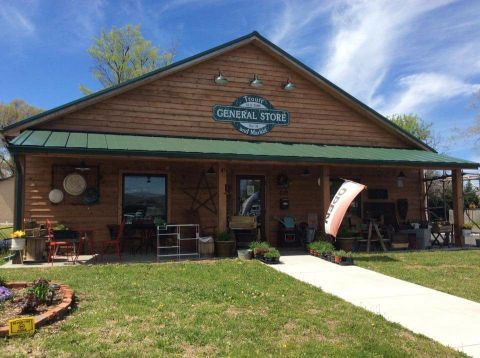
(117, 144)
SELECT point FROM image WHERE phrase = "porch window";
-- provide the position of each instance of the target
(144, 198)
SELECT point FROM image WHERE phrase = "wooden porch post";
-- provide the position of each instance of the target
(222, 198)
(325, 191)
(458, 218)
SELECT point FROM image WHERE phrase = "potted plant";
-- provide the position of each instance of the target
(18, 240)
(338, 256)
(224, 244)
(61, 231)
(467, 229)
(346, 239)
(272, 256)
(347, 259)
(259, 248)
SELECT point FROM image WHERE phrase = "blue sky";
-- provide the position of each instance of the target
(397, 56)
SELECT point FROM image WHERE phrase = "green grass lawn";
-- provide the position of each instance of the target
(5, 232)
(221, 308)
(454, 272)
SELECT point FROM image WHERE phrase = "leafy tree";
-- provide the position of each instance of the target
(417, 127)
(15, 111)
(12, 112)
(470, 195)
(123, 54)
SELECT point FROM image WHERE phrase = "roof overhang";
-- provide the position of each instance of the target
(61, 142)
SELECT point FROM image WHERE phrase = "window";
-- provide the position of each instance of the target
(144, 198)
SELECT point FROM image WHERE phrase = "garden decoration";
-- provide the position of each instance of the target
(46, 302)
(74, 184)
(55, 196)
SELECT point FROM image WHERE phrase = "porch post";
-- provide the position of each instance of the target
(325, 192)
(458, 218)
(222, 198)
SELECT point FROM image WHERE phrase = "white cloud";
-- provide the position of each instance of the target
(367, 37)
(426, 89)
(16, 22)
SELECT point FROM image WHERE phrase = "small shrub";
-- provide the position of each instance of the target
(261, 248)
(254, 244)
(321, 246)
(340, 253)
(40, 290)
(468, 226)
(2, 281)
(272, 253)
(225, 236)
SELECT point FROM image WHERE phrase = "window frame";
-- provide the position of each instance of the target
(144, 174)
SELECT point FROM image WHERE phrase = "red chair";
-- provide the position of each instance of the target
(116, 235)
(54, 246)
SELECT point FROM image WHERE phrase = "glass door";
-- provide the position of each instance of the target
(251, 198)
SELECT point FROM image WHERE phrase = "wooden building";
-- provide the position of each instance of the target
(191, 142)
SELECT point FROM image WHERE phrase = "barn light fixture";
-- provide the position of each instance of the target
(289, 86)
(401, 180)
(256, 82)
(220, 79)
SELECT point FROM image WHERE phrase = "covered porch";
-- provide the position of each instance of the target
(204, 182)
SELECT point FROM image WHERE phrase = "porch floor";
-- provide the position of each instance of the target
(448, 319)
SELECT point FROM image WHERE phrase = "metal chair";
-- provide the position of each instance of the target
(54, 245)
(116, 234)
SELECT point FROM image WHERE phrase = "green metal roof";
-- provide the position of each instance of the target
(123, 144)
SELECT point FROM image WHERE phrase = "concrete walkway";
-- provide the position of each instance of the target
(450, 320)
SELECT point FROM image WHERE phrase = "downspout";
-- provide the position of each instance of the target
(18, 219)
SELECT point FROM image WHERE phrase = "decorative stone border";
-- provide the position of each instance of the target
(53, 313)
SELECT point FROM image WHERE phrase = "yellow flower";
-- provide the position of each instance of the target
(18, 234)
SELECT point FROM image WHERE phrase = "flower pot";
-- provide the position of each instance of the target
(18, 244)
(271, 260)
(225, 248)
(338, 259)
(244, 254)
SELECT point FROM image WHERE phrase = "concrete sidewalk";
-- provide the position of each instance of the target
(450, 320)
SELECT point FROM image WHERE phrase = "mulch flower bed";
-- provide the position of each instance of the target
(23, 299)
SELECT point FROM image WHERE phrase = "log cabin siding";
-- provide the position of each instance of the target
(304, 193)
(181, 105)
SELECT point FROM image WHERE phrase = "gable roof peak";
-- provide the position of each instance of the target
(205, 55)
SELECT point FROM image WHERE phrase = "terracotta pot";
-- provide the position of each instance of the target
(338, 259)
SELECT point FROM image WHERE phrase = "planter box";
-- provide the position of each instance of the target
(225, 248)
(18, 244)
(64, 234)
